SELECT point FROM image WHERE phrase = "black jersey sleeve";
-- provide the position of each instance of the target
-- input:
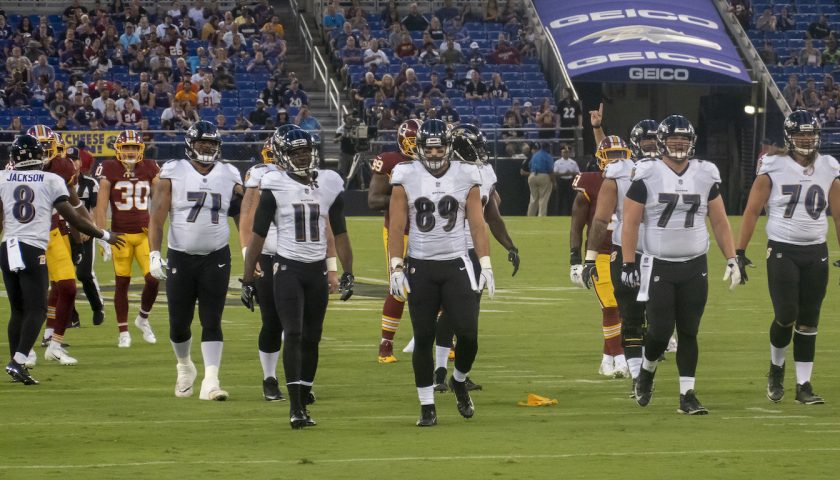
(265, 213)
(337, 221)
(637, 192)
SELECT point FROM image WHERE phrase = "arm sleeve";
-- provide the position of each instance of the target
(714, 192)
(337, 221)
(637, 192)
(265, 213)
(235, 205)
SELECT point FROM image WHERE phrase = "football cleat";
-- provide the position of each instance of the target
(806, 396)
(689, 404)
(310, 422)
(386, 352)
(606, 369)
(633, 388)
(210, 390)
(31, 359)
(98, 317)
(310, 398)
(409, 348)
(472, 386)
(271, 390)
(20, 373)
(621, 370)
(186, 378)
(60, 355)
(124, 340)
(428, 416)
(146, 328)
(45, 342)
(672, 345)
(75, 321)
(440, 380)
(775, 383)
(462, 398)
(644, 387)
(297, 419)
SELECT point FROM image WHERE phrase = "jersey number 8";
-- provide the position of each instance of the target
(23, 210)
(447, 208)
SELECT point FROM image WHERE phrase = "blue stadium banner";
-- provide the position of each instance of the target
(650, 41)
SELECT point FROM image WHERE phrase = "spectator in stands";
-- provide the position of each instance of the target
(812, 101)
(768, 54)
(145, 97)
(570, 114)
(332, 19)
(100, 102)
(129, 37)
(435, 30)
(274, 47)
(831, 56)
(374, 56)
(164, 92)
(5, 30)
(16, 62)
(295, 97)
(429, 56)
(434, 88)
(338, 37)
(785, 21)
(78, 89)
(414, 21)
(810, 87)
(85, 112)
(74, 10)
(173, 118)
(447, 11)
(358, 20)
(450, 81)
(249, 29)
(822, 111)
(505, 53)
(406, 47)
(187, 94)
(42, 68)
(110, 114)
(61, 123)
(59, 106)
(19, 95)
(742, 9)
(450, 53)
(259, 115)
(528, 115)
(829, 88)
(448, 114)
(475, 89)
(424, 111)
(259, 63)
(272, 95)
(491, 11)
(497, 88)
(209, 32)
(238, 47)
(306, 121)
(474, 56)
(389, 14)
(401, 108)
(139, 64)
(45, 37)
(457, 30)
(830, 122)
(125, 97)
(395, 34)
(144, 29)
(190, 114)
(820, 29)
(547, 121)
(367, 89)
(449, 44)
(792, 89)
(282, 117)
(411, 87)
(196, 13)
(387, 86)
(767, 21)
(274, 26)
(208, 97)
(350, 54)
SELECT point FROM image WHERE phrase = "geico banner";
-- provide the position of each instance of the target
(642, 41)
(100, 143)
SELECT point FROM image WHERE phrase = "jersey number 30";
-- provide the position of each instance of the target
(133, 195)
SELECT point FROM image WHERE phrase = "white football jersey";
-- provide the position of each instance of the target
(252, 180)
(676, 208)
(436, 208)
(796, 209)
(198, 214)
(486, 189)
(621, 171)
(302, 213)
(28, 197)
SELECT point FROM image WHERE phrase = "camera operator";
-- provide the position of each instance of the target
(353, 140)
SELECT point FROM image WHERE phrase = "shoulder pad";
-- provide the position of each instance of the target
(709, 169)
(619, 169)
(771, 163)
(331, 178)
(469, 173)
(832, 163)
(642, 170)
(234, 173)
(271, 180)
(170, 168)
(488, 175)
(400, 173)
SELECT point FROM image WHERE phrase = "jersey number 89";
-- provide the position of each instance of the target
(447, 208)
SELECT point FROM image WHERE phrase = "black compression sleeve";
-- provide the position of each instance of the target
(714, 192)
(265, 213)
(637, 192)
(337, 221)
(235, 205)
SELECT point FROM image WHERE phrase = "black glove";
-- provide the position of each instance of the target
(575, 258)
(629, 275)
(743, 263)
(78, 252)
(345, 285)
(513, 257)
(589, 274)
(249, 295)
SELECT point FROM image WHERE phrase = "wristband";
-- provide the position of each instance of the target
(591, 255)
(244, 251)
(80, 205)
(332, 264)
(484, 262)
(396, 262)
(105, 235)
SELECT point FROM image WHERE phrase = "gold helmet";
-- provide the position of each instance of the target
(60, 145)
(129, 147)
(46, 137)
(611, 149)
(267, 152)
(407, 137)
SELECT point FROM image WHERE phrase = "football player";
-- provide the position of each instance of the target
(197, 194)
(379, 198)
(799, 188)
(126, 183)
(435, 197)
(588, 185)
(470, 146)
(304, 266)
(62, 270)
(83, 250)
(673, 196)
(609, 208)
(28, 197)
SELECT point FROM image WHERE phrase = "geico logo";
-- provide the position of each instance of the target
(649, 55)
(633, 13)
(651, 73)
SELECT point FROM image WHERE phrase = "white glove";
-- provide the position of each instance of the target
(106, 249)
(733, 273)
(399, 285)
(157, 265)
(575, 275)
(486, 280)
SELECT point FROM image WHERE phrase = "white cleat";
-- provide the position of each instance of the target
(143, 324)
(59, 354)
(606, 369)
(672, 345)
(621, 370)
(410, 347)
(186, 378)
(31, 359)
(124, 340)
(210, 390)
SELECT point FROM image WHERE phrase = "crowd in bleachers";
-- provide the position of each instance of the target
(121, 66)
(464, 63)
(798, 41)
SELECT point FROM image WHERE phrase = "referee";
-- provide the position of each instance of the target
(540, 180)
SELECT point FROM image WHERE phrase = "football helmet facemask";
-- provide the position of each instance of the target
(204, 143)
(469, 144)
(129, 147)
(434, 145)
(802, 133)
(611, 149)
(642, 139)
(676, 127)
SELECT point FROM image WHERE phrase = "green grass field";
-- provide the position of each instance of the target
(114, 415)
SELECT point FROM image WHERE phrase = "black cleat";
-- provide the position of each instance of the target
(775, 383)
(440, 380)
(472, 386)
(804, 395)
(309, 399)
(689, 405)
(98, 317)
(74, 322)
(428, 416)
(644, 387)
(20, 373)
(633, 388)
(271, 390)
(310, 422)
(462, 397)
(297, 419)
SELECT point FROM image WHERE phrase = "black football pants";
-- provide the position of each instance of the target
(27, 292)
(201, 278)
